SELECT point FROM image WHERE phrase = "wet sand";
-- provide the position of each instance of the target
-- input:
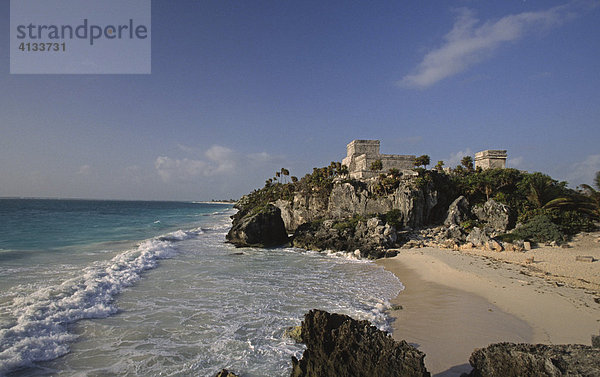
(456, 302)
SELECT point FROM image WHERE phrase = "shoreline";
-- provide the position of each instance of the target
(455, 302)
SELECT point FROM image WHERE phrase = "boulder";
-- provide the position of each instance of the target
(478, 237)
(337, 345)
(458, 212)
(495, 215)
(261, 228)
(539, 360)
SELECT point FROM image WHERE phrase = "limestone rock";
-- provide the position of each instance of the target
(264, 228)
(458, 212)
(516, 360)
(337, 345)
(478, 237)
(416, 207)
(373, 238)
(495, 215)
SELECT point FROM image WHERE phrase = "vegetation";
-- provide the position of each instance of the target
(376, 165)
(423, 161)
(545, 209)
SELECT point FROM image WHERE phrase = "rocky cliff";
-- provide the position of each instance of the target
(263, 227)
(416, 203)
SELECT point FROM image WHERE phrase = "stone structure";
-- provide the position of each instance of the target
(362, 153)
(490, 159)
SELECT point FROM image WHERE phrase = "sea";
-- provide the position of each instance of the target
(148, 288)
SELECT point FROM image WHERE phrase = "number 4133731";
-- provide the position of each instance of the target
(42, 46)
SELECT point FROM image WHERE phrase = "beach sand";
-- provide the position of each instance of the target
(455, 302)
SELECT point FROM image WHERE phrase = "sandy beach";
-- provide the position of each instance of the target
(455, 302)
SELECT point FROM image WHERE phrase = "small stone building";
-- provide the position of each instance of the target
(490, 159)
(362, 153)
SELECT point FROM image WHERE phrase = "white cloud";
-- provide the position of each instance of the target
(215, 161)
(455, 158)
(471, 41)
(84, 170)
(179, 169)
(515, 163)
(584, 171)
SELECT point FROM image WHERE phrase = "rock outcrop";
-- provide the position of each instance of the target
(416, 206)
(494, 215)
(261, 228)
(372, 237)
(338, 345)
(458, 212)
(539, 360)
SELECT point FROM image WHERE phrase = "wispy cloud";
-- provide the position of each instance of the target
(215, 161)
(584, 171)
(454, 159)
(471, 41)
(84, 170)
(515, 162)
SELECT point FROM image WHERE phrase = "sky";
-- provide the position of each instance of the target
(240, 89)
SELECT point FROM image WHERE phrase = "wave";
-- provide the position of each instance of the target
(40, 332)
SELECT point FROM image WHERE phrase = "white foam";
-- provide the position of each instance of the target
(39, 330)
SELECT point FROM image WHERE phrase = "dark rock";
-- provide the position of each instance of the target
(226, 373)
(458, 212)
(596, 341)
(372, 237)
(539, 360)
(338, 345)
(263, 228)
(495, 215)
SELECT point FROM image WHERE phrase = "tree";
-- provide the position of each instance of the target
(423, 160)
(439, 166)
(376, 165)
(344, 170)
(467, 162)
(593, 194)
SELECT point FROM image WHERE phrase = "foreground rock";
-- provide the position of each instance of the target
(338, 345)
(509, 359)
(372, 237)
(261, 228)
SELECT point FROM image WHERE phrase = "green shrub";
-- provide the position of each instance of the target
(393, 217)
(540, 229)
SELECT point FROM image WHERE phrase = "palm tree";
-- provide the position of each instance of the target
(593, 194)
(467, 162)
(423, 160)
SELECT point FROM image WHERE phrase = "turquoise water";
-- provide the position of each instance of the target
(99, 288)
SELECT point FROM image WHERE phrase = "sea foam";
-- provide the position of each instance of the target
(39, 330)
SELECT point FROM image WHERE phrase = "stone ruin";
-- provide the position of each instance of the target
(362, 153)
(490, 159)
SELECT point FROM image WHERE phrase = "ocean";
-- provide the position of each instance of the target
(133, 288)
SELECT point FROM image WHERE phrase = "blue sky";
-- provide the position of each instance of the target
(240, 89)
